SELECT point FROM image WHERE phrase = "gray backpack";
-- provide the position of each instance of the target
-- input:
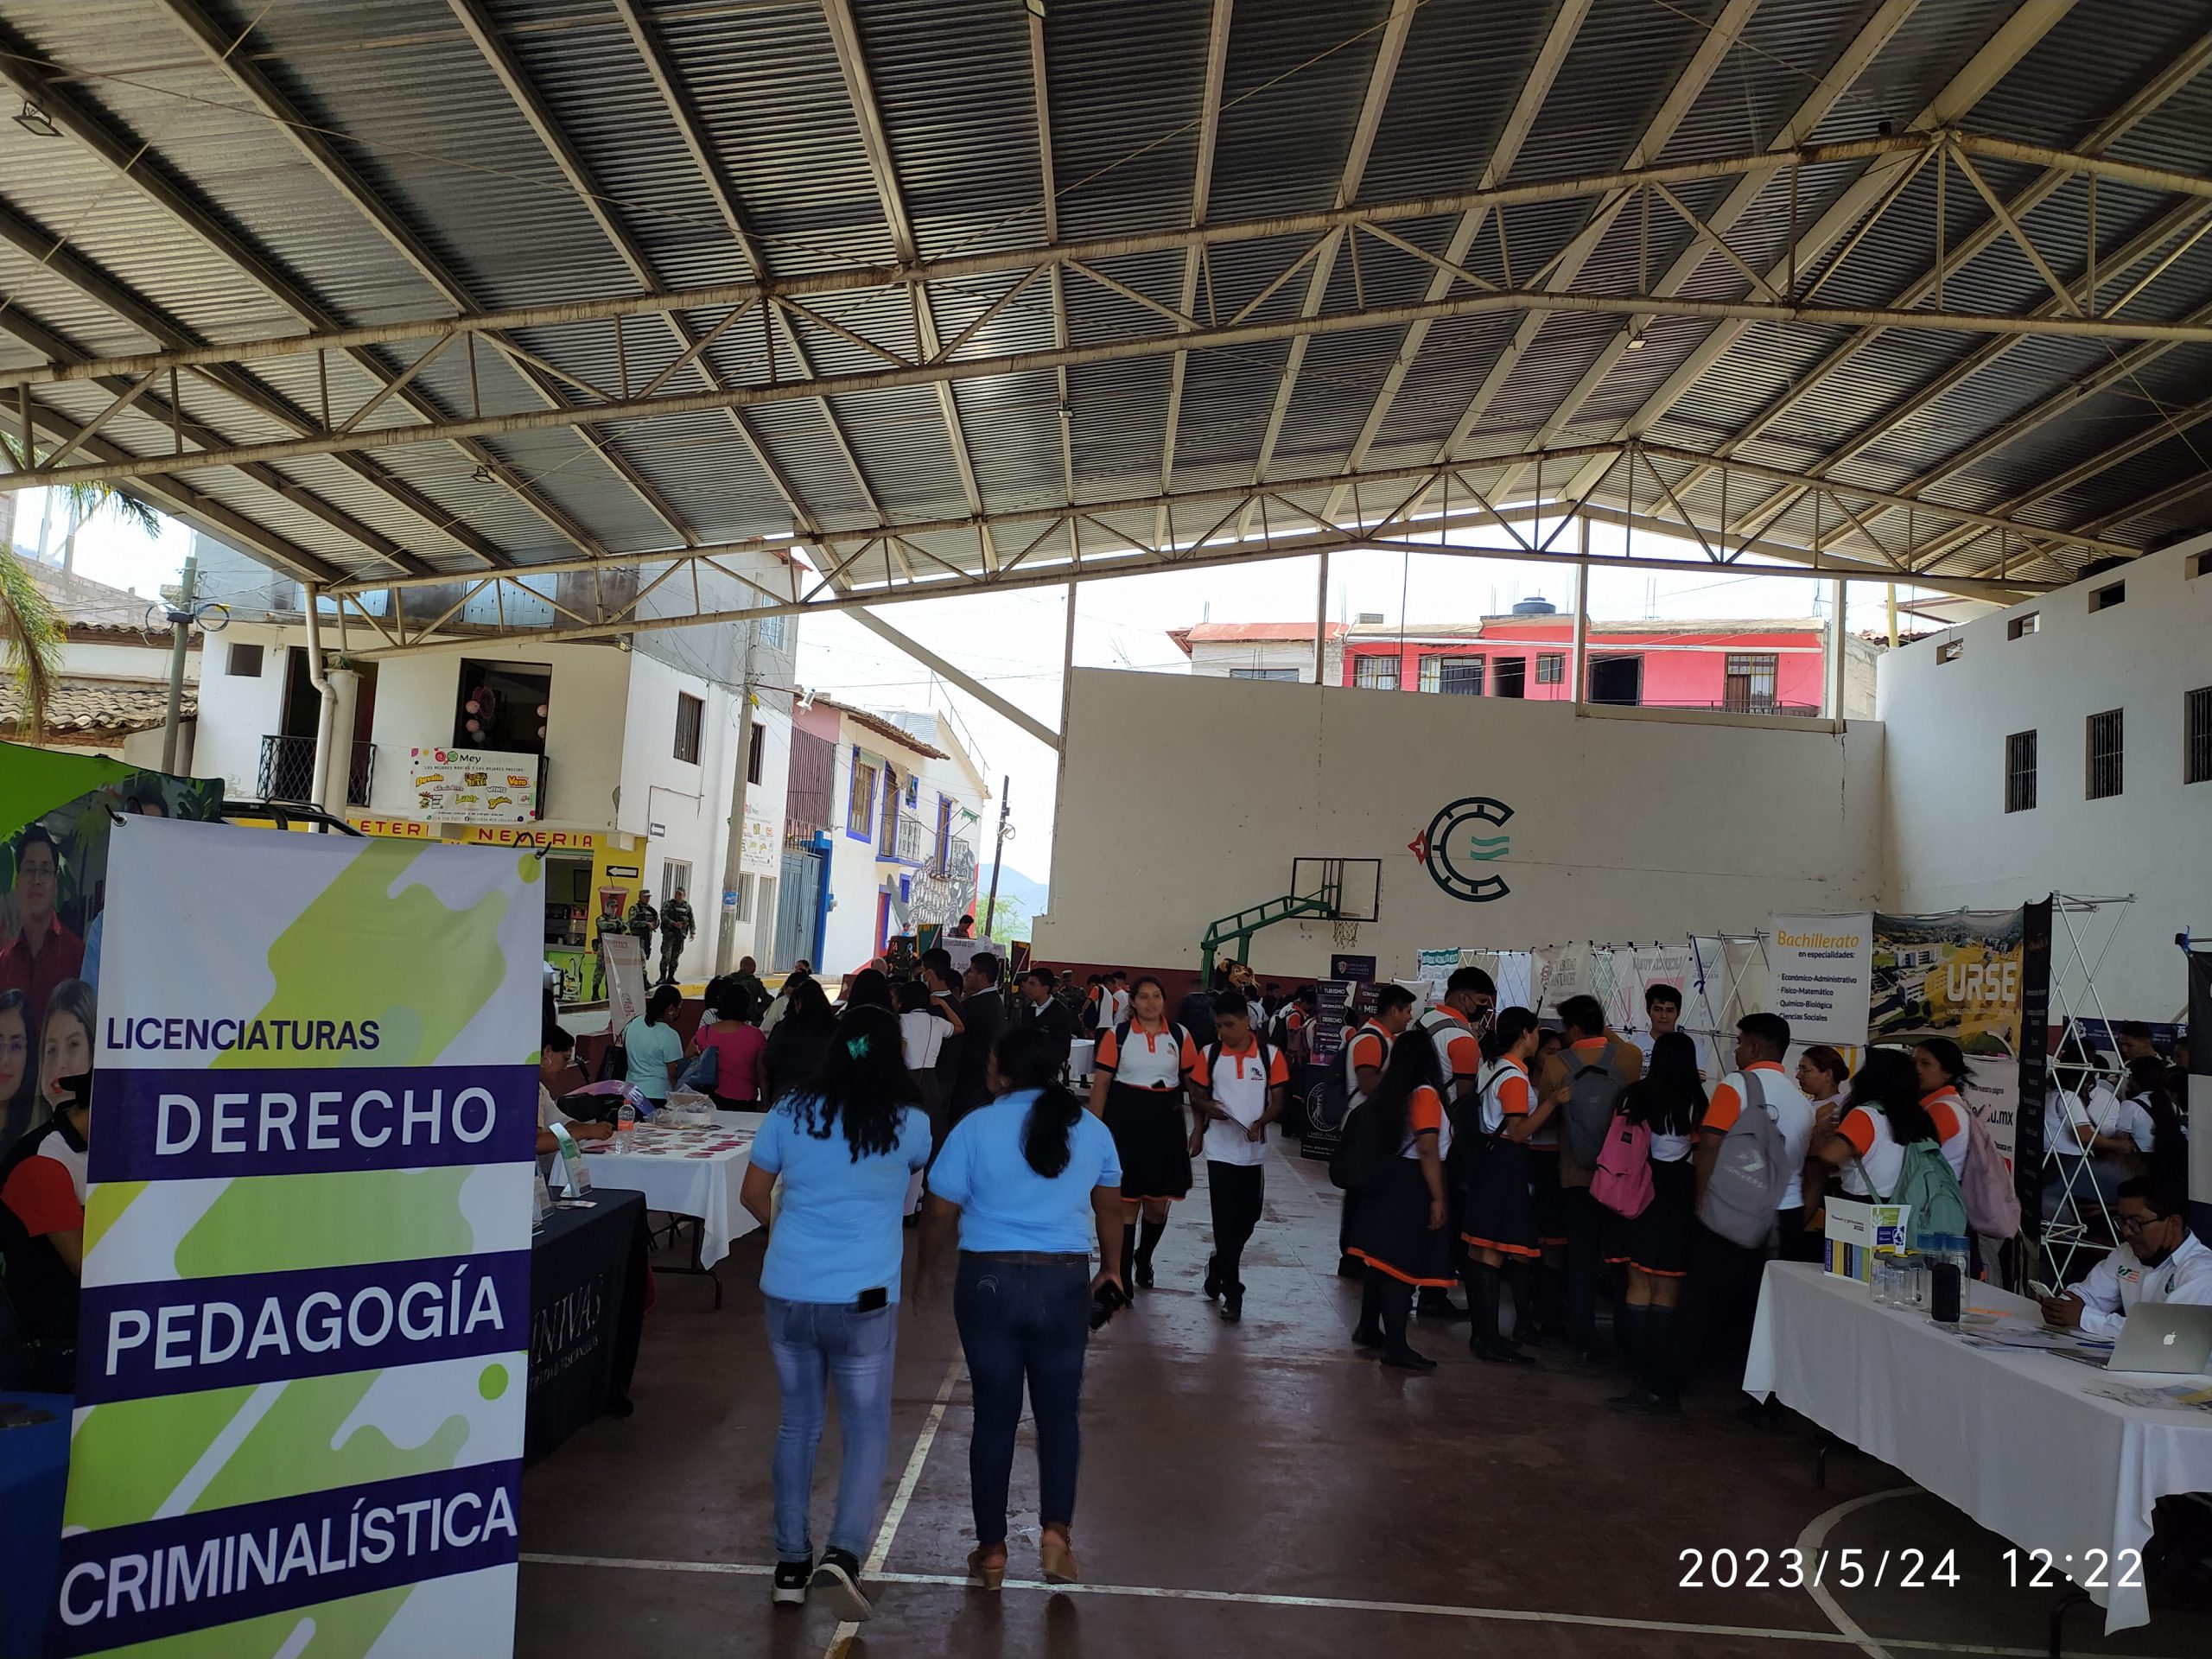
(1590, 1108)
(1750, 1174)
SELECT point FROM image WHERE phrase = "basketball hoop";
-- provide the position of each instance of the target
(1344, 934)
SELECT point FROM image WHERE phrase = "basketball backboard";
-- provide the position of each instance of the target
(1350, 888)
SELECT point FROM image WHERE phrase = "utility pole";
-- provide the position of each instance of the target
(180, 637)
(998, 854)
(726, 951)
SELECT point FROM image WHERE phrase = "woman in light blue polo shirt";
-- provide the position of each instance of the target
(1031, 1179)
(847, 1147)
(655, 1049)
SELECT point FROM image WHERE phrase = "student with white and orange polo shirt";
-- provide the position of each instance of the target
(1571, 1226)
(1400, 1231)
(1456, 1027)
(1136, 1087)
(1942, 1065)
(1238, 1088)
(1724, 1276)
(1500, 1221)
(1364, 1057)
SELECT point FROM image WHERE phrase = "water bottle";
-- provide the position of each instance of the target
(626, 1124)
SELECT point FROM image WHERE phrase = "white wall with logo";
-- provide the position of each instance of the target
(1626, 827)
(1950, 840)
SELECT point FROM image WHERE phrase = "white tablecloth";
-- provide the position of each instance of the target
(694, 1171)
(1080, 1058)
(2012, 1437)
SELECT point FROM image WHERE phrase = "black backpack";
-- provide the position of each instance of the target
(1365, 1153)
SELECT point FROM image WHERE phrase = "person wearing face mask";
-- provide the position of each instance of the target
(2158, 1261)
(43, 1176)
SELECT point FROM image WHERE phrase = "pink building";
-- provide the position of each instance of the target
(1747, 667)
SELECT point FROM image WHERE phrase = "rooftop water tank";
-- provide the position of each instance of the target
(1538, 606)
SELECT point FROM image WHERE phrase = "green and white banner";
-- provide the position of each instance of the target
(305, 1326)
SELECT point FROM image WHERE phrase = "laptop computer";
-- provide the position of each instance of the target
(2174, 1338)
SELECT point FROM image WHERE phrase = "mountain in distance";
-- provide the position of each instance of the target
(1031, 894)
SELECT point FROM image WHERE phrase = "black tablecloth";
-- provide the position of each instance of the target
(587, 1308)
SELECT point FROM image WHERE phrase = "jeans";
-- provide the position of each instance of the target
(1023, 1321)
(816, 1344)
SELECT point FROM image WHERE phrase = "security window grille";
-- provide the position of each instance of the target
(1751, 676)
(2021, 626)
(245, 662)
(1376, 673)
(1551, 668)
(2104, 779)
(691, 714)
(2196, 736)
(1461, 677)
(1263, 674)
(860, 811)
(2105, 598)
(2020, 772)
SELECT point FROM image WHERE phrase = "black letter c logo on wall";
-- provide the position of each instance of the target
(1457, 838)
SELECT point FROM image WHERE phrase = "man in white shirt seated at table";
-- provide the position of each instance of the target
(2158, 1261)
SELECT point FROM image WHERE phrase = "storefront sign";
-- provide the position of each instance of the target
(307, 1268)
(474, 785)
(391, 828)
(1821, 969)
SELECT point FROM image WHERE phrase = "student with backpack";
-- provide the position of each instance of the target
(1986, 1186)
(1395, 1145)
(1357, 1073)
(1499, 1224)
(1596, 1065)
(1136, 1089)
(1456, 1027)
(1657, 1116)
(1236, 1091)
(1888, 1148)
(1749, 1159)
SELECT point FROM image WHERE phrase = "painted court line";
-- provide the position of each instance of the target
(1809, 1546)
(1330, 1603)
(871, 1569)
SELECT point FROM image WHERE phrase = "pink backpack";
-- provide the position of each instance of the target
(1622, 1180)
(1992, 1203)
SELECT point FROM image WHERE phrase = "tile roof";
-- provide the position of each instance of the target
(883, 729)
(93, 708)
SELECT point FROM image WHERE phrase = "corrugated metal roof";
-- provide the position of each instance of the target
(415, 109)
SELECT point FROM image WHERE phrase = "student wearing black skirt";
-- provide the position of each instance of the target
(1668, 1101)
(1500, 1221)
(1398, 1230)
(1136, 1087)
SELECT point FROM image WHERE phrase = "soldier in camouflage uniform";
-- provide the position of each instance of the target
(645, 922)
(611, 925)
(676, 925)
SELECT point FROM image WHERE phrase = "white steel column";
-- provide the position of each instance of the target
(1321, 626)
(1838, 653)
(1581, 665)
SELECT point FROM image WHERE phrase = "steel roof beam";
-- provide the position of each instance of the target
(178, 498)
(130, 162)
(1194, 258)
(1705, 63)
(1041, 91)
(659, 63)
(1382, 76)
(860, 92)
(2013, 41)
(1220, 506)
(1850, 63)
(941, 374)
(957, 267)
(329, 159)
(2138, 106)
(1567, 23)
(21, 325)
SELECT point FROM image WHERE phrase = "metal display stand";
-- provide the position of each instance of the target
(2082, 930)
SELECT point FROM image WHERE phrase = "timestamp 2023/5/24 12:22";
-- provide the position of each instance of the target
(1901, 1568)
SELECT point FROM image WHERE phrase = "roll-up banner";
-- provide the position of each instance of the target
(306, 1307)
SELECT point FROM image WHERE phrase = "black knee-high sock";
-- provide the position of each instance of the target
(1519, 1274)
(1371, 1304)
(1651, 1360)
(1635, 1322)
(1484, 1284)
(1128, 1257)
(1397, 1312)
(1148, 1239)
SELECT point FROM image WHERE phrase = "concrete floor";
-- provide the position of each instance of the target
(1251, 1490)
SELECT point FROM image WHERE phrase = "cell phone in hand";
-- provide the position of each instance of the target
(1107, 1300)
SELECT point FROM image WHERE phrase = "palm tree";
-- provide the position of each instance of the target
(31, 634)
(30, 642)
